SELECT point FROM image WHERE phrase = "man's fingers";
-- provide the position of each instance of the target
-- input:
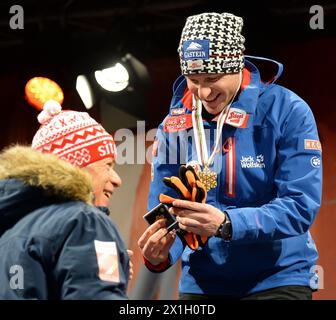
(201, 217)
(165, 244)
(130, 252)
(183, 212)
(190, 229)
(157, 236)
(150, 231)
(169, 241)
(155, 243)
(187, 222)
(131, 270)
(195, 206)
(158, 240)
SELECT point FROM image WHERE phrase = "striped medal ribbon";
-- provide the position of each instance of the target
(206, 175)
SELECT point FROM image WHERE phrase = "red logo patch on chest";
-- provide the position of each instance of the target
(177, 123)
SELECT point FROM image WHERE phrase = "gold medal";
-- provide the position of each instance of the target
(208, 178)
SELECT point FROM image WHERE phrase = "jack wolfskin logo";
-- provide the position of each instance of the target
(315, 162)
(249, 162)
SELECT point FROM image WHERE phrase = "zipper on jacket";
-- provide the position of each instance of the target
(230, 148)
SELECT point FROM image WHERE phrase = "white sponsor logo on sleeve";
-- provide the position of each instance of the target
(107, 259)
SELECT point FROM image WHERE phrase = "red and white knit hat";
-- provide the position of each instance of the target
(72, 136)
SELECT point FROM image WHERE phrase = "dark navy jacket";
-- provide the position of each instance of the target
(48, 247)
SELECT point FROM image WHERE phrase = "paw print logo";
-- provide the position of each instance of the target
(260, 158)
(315, 162)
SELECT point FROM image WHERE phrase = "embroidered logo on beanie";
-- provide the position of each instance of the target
(72, 136)
(195, 49)
(212, 43)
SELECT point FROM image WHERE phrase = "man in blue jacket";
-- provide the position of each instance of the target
(54, 243)
(256, 149)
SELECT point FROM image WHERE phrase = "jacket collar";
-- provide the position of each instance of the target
(104, 210)
(251, 88)
(46, 172)
(30, 180)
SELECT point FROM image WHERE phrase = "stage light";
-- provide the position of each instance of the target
(118, 81)
(140, 76)
(113, 79)
(39, 90)
(84, 90)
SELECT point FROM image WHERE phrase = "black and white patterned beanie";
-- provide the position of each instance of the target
(212, 43)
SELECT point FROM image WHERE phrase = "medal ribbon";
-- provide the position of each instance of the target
(199, 133)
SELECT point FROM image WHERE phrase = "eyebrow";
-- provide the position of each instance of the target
(110, 161)
(214, 77)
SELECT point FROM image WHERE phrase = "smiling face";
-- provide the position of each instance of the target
(214, 90)
(105, 180)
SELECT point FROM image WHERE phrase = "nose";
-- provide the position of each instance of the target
(203, 92)
(115, 179)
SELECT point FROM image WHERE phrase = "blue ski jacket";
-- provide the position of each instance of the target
(269, 183)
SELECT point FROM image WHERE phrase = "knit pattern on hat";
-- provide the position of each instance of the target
(72, 136)
(212, 43)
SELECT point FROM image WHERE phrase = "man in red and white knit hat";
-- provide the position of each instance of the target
(77, 138)
(56, 225)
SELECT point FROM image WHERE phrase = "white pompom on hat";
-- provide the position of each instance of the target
(73, 136)
(50, 109)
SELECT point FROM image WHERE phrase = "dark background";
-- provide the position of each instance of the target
(63, 38)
